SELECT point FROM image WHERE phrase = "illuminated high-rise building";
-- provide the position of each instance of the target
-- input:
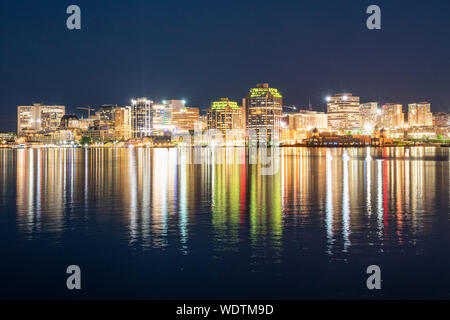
(106, 114)
(225, 116)
(39, 117)
(419, 114)
(175, 104)
(51, 117)
(263, 110)
(122, 123)
(369, 115)
(141, 118)
(392, 116)
(184, 119)
(27, 119)
(344, 112)
(160, 119)
(169, 107)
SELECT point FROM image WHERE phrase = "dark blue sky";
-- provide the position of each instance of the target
(204, 50)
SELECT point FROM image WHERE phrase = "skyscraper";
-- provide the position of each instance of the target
(169, 107)
(184, 119)
(369, 115)
(392, 116)
(159, 119)
(106, 113)
(122, 123)
(419, 114)
(39, 117)
(343, 112)
(141, 117)
(225, 116)
(263, 108)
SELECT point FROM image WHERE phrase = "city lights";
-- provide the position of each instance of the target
(147, 123)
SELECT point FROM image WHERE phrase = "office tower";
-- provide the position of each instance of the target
(419, 114)
(39, 117)
(369, 114)
(225, 115)
(263, 108)
(141, 118)
(343, 112)
(106, 113)
(184, 119)
(441, 119)
(27, 119)
(51, 117)
(175, 104)
(162, 118)
(169, 107)
(307, 120)
(392, 116)
(122, 123)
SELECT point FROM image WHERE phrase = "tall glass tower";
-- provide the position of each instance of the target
(141, 117)
(264, 109)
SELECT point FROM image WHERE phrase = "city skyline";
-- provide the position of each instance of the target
(146, 123)
(78, 110)
(322, 106)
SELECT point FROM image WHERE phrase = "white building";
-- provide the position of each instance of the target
(344, 112)
(39, 117)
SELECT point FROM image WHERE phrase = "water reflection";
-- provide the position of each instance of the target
(335, 201)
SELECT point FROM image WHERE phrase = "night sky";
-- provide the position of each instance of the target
(204, 50)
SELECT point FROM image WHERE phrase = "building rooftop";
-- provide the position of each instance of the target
(223, 104)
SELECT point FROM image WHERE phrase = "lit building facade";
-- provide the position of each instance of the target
(225, 116)
(184, 119)
(169, 107)
(307, 120)
(344, 112)
(7, 137)
(292, 136)
(369, 115)
(441, 119)
(141, 118)
(122, 123)
(162, 118)
(51, 117)
(100, 134)
(69, 121)
(263, 110)
(106, 114)
(27, 119)
(39, 117)
(392, 116)
(419, 114)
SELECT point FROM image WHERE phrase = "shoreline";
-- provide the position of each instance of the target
(246, 147)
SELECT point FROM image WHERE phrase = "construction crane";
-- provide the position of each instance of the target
(88, 109)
